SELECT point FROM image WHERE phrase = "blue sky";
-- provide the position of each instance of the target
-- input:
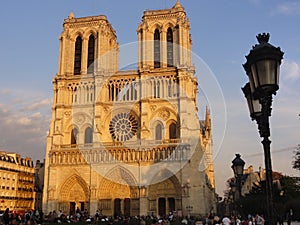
(222, 31)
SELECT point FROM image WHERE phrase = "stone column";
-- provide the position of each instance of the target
(84, 55)
(163, 48)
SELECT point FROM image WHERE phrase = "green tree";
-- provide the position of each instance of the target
(296, 162)
(286, 196)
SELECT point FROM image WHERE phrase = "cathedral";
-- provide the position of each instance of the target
(128, 141)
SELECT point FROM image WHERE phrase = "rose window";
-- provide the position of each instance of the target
(123, 127)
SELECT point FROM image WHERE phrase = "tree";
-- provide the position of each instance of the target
(296, 162)
(286, 196)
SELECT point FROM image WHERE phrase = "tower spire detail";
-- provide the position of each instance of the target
(177, 4)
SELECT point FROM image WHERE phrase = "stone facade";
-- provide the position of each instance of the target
(128, 142)
(17, 182)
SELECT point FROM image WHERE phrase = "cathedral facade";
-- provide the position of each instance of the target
(128, 141)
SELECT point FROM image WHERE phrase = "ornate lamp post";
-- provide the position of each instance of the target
(238, 170)
(232, 194)
(262, 67)
(189, 208)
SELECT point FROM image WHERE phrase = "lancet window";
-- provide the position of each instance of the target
(88, 135)
(91, 54)
(77, 56)
(156, 49)
(74, 136)
(170, 60)
(158, 132)
(172, 131)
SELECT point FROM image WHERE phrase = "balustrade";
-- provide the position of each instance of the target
(167, 150)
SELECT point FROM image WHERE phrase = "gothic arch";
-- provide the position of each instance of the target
(80, 121)
(88, 33)
(164, 178)
(77, 33)
(71, 182)
(68, 133)
(168, 25)
(155, 26)
(118, 182)
(85, 125)
(165, 113)
(154, 126)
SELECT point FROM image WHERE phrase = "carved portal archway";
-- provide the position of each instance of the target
(165, 194)
(118, 193)
(74, 193)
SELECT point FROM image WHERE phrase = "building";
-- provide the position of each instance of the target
(128, 142)
(39, 185)
(17, 182)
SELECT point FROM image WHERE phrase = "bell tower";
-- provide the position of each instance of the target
(164, 38)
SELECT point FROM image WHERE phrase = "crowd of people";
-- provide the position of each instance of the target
(35, 217)
(28, 218)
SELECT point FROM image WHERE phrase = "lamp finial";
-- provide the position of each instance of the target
(263, 38)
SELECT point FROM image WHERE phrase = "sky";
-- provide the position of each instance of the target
(223, 32)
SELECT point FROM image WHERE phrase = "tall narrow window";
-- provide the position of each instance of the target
(170, 47)
(156, 49)
(74, 134)
(88, 135)
(91, 54)
(172, 131)
(77, 56)
(158, 132)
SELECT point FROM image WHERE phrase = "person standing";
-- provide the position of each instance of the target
(6, 217)
(226, 220)
(259, 220)
(289, 217)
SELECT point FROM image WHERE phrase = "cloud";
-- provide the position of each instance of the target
(290, 70)
(5, 91)
(289, 8)
(24, 131)
(37, 105)
(36, 115)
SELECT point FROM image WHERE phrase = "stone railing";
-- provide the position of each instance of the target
(151, 152)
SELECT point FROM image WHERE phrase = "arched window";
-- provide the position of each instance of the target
(170, 47)
(77, 56)
(158, 132)
(88, 135)
(91, 54)
(172, 131)
(74, 134)
(156, 49)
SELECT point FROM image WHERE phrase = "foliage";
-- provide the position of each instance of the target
(286, 196)
(296, 162)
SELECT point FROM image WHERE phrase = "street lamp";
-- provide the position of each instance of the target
(232, 194)
(238, 170)
(189, 209)
(262, 67)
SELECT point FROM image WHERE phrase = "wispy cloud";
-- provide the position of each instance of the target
(5, 91)
(290, 70)
(39, 104)
(24, 124)
(289, 8)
